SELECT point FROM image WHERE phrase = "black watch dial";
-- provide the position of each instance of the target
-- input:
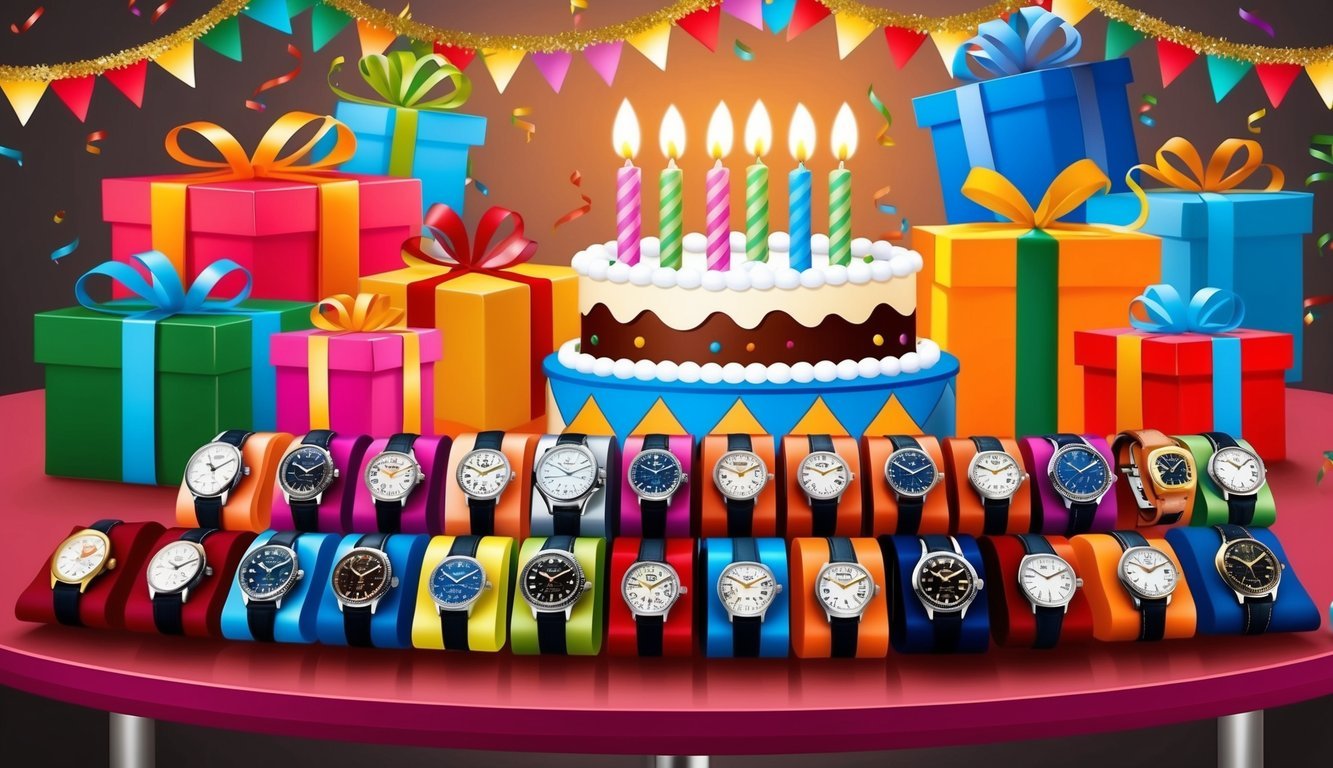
(361, 576)
(945, 581)
(552, 580)
(1250, 567)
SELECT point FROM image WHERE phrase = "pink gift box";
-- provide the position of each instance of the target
(269, 227)
(365, 381)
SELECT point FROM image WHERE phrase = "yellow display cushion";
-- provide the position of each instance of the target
(487, 626)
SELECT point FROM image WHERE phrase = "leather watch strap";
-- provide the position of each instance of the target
(909, 507)
(1152, 613)
(552, 625)
(567, 520)
(571, 438)
(823, 512)
(740, 512)
(1049, 621)
(208, 509)
(1240, 508)
(197, 535)
(653, 512)
(305, 512)
(454, 624)
(167, 608)
(843, 629)
(262, 615)
(389, 514)
(1081, 513)
(236, 437)
(357, 618)
(1258, 610)
(995, 511)
(745, 630)
(481, 512)
(65, 597)
(649, 630)
(948, 627)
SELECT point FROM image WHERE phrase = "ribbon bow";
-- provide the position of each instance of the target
(1195, 177)
(355, 314)
(268, 160)
(1015, 46)
(1070, 189)
(404, 79)
(484, 254)
(163, 289)
(1211, 310)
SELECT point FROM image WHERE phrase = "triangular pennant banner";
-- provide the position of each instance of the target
(502, 63)
(777, 413)
(1173, 58)
(77, 93)
(653, 44)
(325, 24)
(456, 55)
(777, 14)
(903, 44)
(553, 66)
(130, 81)
(855, 409)
(1322, 76)
(806, 14)
(604, 59)
(294, 7)
(698, 412)
(179, 62)
(947, 43)
(749, 11)
(1277, 80)
(943, 421)
(225, 38)
(23, 96)
(272, 13)
(1120, 37)
(374, 39)
(852, 31)
(1225, 74)
(625, 408)
(1071, 11)
(703, 26)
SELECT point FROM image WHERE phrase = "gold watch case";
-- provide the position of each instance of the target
(108, 563)
(1171, 450)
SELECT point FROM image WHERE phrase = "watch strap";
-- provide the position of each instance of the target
(1231, 532)
(374, 541)
(740, 517)
(823, 512)
(995, 516)
(236, 437)
(1066, 438)
(900, 442)
(572, 438)
(840, 550)
(739, 442)
(305, 515)
(389, 516)
(649, 633)
(910, 508)
(653, 513)
(167, 613)
(1258, 614)
(821, 443)
(104, 526)
(197, 535)
(1035, 544)
(948, 628)
(284, 539)
(208, 511)
(1240, 509)
(1220, 440)
(656, 442)
(1152, 612)
(652, 551)
(491, 440)
(1129, 539)
(744, 550)
(984, 444)
(401, 443)
(454, 624)
(843, 629)
(1049, 621)
(566, 520)
(745, 636)
(356, 624)
(320, 438)
(1081, 516)
(551, 638)
(65, 602)
(481, 516)
(260, 616)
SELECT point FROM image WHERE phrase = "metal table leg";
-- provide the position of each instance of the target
(132, 742)
(1240, 740)
(680, 761)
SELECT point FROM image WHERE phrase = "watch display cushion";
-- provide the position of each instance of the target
(968, 514)
(601, 514)
(678, 513)
(911, 630)
(1114, 617)
(715, 555)
(295, 620)
(250, 503)
(1048, 508)
(515, 501)
(678, 630)
(335, 509)
(811, 637)
(712, 506)
(1011, 618)
(488, 622)
(391, 624)
(102, 605)
(882, 502)
(422, 513)
(1209, 506)
(201, 615)
(851, 510)
(586, 625)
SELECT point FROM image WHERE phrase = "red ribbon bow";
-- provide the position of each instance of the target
(484, 254)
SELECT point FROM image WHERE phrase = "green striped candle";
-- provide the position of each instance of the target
(670, 224)
(840, 216)
(756, 212)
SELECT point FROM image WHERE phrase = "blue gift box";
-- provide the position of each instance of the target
(1029, 127)
(1246, 242)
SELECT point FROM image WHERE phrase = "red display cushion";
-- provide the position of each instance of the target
(201, 616)
(678, 631)
(1011, 618)
(102, 605)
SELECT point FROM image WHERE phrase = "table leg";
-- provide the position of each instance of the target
(680, 761)
(1240, 740)
(132, 742)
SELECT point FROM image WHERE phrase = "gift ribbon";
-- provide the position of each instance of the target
(363, 313)
(1211, 310)
(339, 198)
(167, 296)
(485, 255)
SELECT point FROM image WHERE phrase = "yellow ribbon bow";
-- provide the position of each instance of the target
(1070, 189)
(1195, 177)
(363, 313)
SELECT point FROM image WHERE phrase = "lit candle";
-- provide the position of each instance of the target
(629, 206)
(671, 137)
(717, 198)
(758, 137)
(801, 142)
(840, 189)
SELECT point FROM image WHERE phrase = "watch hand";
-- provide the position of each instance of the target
(659, 583)
(849, 584)
(483, 473)
(738, 581)
(195, 560)
(367, 573)
(225, 463)
(562, 573)
(748, 470)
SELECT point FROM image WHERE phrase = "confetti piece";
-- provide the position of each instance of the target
(474, 181)
(1311, 303)
(161, 9)
(1251, 122)
(59, 216)
(883, 136)
(254, 103)
(1321, 149)
(527, 126)
(64, 250)
(1254, 20)
(883, 205)
(576, 179)
(577, 5)
(19, 29)
(12, 154)
(742, 51)
(1327, 465)
(1149, 101)
(90, 146)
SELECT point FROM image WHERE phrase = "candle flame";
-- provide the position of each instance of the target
(625, 131)
(801, 135)
(721, 132)
(758, 130)
(844, 133)
(671, 136)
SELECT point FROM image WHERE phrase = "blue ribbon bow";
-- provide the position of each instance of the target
(1211, 310)
(1015, 46)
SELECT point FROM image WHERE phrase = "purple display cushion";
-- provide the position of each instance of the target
(678, 513)
(1037, 453)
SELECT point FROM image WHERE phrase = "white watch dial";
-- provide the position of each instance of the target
(844, 589)
(80, 556)
(391, 476)
(1148, 572)
(213, 469)
(995, 474)
(1047, 580)
(824, 475)
(566, 472)
(650, 588)
(740, 475)
(175, 566)
(483, 473)
(747, 589)
(1237, 470)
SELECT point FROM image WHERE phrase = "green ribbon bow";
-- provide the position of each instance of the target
(404, 79)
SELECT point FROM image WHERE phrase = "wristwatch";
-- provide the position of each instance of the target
(173, 571)
(995, 476)
(213, 472)
(1048, 582)
(1081, 476)
(844, 589)
(655, 476)
(650, 587)
(1171, 474)
(746, 588)
(456, 585)
(1239, 473)
(1250, 570)
(483, 475)
(304, 474)
(391, 477)
(1149, 576)
(265, 576)
(740, 475)
(360, 579)
(552, 583)
(567, 476)
(76, 563)
(911, 473)
(946, 584)
(825, 477)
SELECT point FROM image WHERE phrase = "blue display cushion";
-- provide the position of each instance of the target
(911, 630)
(391, 624)
(774, 633)
(1218, 610)
(295, 622)
(1032, 126)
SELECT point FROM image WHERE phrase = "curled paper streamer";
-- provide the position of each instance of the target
(1254, 20)
(474, 181)
(883, 136)
(64, 250)
(883, 205)
(161, 9)
(12, 154)
(1252, 122)
(1321, 149)
(742, 51)
(1149, 101)
(59, 216)
(253, 102)
(576, 179)
(19, 29)
(527, 126)
(577, 5)
(90, 143)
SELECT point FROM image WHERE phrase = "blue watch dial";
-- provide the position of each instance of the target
(456, 582)
(1080, 473)
(655, 474)
(1173, 469)
(305, 472)
(911, 472)
(267, 572)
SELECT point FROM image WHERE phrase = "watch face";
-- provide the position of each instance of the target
(268, 573)
(391, 476)
(747, 589)
(457, 582)
(844, 589)
(213, 469)
(650, 588)
(995, 474)
(1047, 580)
(566, 472)
(484, 473)
(655, 474)
(552, 580)
(945, 581)
(80, 556)
(1080, 473)
(824, 475)
(740, 475)
(306, 472)
(1148, 572)
(911, 472)
(1249, 567)
(361, 576)
(1237, 470)
(1171, 468)
(175, 567)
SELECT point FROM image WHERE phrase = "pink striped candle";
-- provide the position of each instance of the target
(717, 217)
(629, 213)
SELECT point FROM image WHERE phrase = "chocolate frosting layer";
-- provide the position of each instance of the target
(778, 338)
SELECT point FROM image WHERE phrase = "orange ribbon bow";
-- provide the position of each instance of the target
(1195, 177)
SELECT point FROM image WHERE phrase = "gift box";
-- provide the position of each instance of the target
(133, 388)
(302, 231)
(1214, 235)
(1006, 299)
(500, 315)
(1031, 121)
(358, 372)
(1187, 376)
(404, 134)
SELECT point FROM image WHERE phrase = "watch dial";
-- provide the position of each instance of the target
(740, 475)
(175, 566)
(995, 474)
(650, 588)
(844, 588)
(1148, 572)
(361, 576)
(552, 580)
(910, 471)
(655, 474)
(1250, 567)
(566, 472)
(824, 475)
(1237, 470)
(483, 473)
(1080, 473)
(80, 556)
(457, 582)
(747, 589)
(1047, 580)
(305, 472)
(391, 476)
(267, 572)
(1173, 470)
(945, 581)
(213, 469)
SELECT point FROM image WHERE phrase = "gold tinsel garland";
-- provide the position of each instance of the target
(1156, 29)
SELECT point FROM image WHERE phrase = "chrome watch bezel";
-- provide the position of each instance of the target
(326, 479)
(662, 496)
(624, 588)
(563, 605)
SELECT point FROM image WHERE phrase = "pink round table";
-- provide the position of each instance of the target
(657, 707)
